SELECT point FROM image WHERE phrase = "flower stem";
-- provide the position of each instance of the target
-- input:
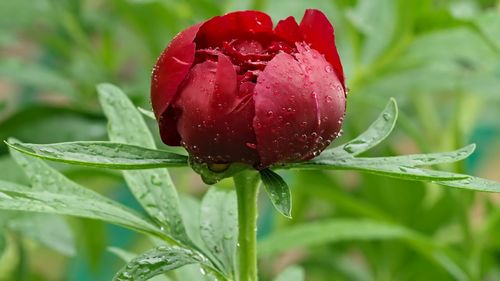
(247, 186)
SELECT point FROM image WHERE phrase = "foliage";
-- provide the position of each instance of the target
(439, 59)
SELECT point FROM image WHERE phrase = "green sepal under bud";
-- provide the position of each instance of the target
(214, 172)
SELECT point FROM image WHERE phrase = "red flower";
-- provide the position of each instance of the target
(233, 89)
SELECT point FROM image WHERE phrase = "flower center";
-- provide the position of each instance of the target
(249, 56)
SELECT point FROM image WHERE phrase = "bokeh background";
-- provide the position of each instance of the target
(439, 58)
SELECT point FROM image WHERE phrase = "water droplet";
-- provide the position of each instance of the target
(328, 69)
(269, 113)
(155, 179)
(251, 145)
(387, 116)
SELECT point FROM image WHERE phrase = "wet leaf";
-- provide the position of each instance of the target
(103, 154)
(278, 191)
(377, 167)
(24, 198)
(219, 225)
(152, 188)
(474, 184)
(52, 192)
(128, 256)
(376, 133)
(156, 262)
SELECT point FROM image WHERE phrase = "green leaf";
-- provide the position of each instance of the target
(278, 191)
(339, 230)
(474, 184)
(103, 154)
(219, 225)
(148, 113)
(402, 167)
(24, 198)
(377, 167)
(128, 256)
(293, 273)
(156, 262)
(423, 159)
(192, 272)
(152, 188)
(376, 133)
(191, 212)
(52, 192)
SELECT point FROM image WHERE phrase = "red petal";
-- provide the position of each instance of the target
(210, 129)
(289, 30)
(170, 70)
(329, 93)
(285, 112)
(224, 28)
(318, 32)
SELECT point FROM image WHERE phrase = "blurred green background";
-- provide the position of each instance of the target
(439, 58)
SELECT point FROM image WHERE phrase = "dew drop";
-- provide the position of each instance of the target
(251, 145)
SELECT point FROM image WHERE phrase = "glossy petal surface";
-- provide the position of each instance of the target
(285, 112)
(233, 25)
(216, 123)
(232, 89)
(318, 31)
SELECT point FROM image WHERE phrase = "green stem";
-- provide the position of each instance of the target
(247, 186)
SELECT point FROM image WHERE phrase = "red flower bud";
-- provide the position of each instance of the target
(233, 89)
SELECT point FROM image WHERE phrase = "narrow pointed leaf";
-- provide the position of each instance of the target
(278, 192)
(103, 154)
(152, 188)
(219, 225)
(24, 198)
(158, 261)
(422, 159)
(375, 166)
(474, 184)
(293, 273)
(52, 192)
(377, 132)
